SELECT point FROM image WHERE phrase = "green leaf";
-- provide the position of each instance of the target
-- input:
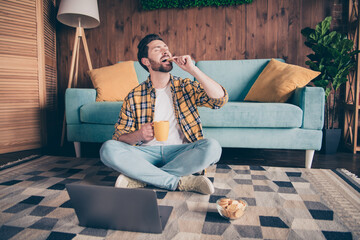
(313, 57)
(307, 31)
(327, 92)
(314, 66)
(323, 27)
(326, 24)
(354, 52)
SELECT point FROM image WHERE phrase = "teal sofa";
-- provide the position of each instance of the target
(296, 124)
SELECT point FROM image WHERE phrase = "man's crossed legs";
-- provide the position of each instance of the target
(169, 167)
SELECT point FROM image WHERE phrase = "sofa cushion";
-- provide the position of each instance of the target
(236, 76)
(233, 114)
(113, 83)
(278, 81)
(254, 115)
(100, 112)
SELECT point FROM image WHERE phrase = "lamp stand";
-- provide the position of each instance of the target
(74, 70)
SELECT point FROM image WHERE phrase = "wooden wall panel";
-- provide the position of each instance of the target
(263, 29)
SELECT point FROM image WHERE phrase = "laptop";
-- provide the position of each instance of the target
(124, 209)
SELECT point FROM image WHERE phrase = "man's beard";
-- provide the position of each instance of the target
(160, 67)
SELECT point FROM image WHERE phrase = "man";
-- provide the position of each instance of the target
(134, 151)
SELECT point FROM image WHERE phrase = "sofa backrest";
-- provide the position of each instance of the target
(142, 74)
(236, 76)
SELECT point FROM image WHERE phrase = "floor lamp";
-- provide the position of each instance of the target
(79, 14)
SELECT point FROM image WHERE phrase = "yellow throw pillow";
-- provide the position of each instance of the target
(278, 81)
(113, 83)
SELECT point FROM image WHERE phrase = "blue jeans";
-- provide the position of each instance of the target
(160, 166)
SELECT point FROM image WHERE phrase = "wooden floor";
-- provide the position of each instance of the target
(280, 158)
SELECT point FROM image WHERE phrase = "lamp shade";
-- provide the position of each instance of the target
(76, 13)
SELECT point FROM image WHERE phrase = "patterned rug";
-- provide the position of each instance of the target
(284, 203)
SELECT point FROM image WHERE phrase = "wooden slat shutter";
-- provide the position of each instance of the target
(23, 75)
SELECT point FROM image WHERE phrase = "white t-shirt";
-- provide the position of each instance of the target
(164, 111)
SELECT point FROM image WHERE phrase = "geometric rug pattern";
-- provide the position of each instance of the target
(283, 203)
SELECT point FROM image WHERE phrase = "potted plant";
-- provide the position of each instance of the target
(333, 55)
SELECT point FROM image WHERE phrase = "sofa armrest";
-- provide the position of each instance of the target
(312, 101)
(74, 99)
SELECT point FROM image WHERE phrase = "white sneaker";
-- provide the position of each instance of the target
(200, 184)
(125, 182)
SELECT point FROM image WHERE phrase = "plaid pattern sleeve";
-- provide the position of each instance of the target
(203, 100)
(137, 109)
(188, 95)
(125, 123)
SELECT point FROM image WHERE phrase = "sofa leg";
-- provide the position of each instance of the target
(309, 156)
(77, 147)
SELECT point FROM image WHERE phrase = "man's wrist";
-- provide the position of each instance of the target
(195, 71)
(138, 136)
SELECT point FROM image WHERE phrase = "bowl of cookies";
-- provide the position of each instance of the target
(230, 208)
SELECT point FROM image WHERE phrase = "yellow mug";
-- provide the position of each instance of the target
(161, 130)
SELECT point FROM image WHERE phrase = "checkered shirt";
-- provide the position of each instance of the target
(139, 105)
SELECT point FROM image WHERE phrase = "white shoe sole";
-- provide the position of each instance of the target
(121, 182)
(199, 184)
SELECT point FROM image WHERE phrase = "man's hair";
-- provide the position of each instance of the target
(143, 48)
